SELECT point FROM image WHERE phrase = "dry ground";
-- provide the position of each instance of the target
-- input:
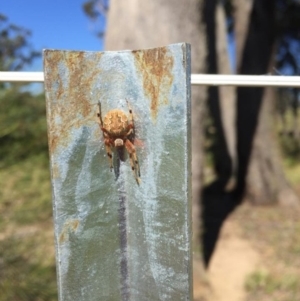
(257, 258)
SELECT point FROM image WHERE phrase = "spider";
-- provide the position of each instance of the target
(118, 132)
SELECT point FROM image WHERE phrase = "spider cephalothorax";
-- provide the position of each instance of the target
(118, 131)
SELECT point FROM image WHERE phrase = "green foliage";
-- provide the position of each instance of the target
(290, 147)
(25, 201)
(22, 277)
(27, 266)
(96, 10)
(26, 232)
(15, 49)
(22, 126)
(25, 195)
(287, 125)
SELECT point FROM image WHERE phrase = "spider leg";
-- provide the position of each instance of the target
(106, 140)
(131, 117)
(109, 152)
(133, 160)
(129, 132)
(100, 114)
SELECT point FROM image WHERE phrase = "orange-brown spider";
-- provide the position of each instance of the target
(118, 131)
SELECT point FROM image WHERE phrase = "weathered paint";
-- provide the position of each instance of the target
(116, 240)
(72, 82)
(155, 66)
(71, 225)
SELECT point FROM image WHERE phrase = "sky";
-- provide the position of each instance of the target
(54, 24)
(57, 24)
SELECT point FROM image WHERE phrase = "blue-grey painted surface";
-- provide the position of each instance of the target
(117, 240)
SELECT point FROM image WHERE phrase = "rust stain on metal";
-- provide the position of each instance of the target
(155, 65)
(55, 171)
(74, 84)
(69, 226)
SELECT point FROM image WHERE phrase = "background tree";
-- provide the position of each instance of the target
(25, 195)
(22, 127)
(253, 170)
(287, 62)
(96, 10)
(15, 48)
(260, 175)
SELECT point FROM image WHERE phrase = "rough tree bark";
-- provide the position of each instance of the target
(266, 182)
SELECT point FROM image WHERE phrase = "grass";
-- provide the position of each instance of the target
(292, 172)
(25, 196)
(25, 274)
(27, 265)
(263, 282)
(275, 232)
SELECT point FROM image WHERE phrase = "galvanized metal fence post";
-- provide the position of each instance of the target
(115, 239)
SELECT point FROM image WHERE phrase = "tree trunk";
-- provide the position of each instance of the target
(216, 41)
(253, 129)
(254, 60)
(261, 179)
(266, 182)
(242, 13)
(217, 197)
(137, 24)
(227, 95)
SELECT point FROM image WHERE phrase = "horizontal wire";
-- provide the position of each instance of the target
(196, 79)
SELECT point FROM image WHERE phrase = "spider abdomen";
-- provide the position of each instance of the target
(116, 123)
